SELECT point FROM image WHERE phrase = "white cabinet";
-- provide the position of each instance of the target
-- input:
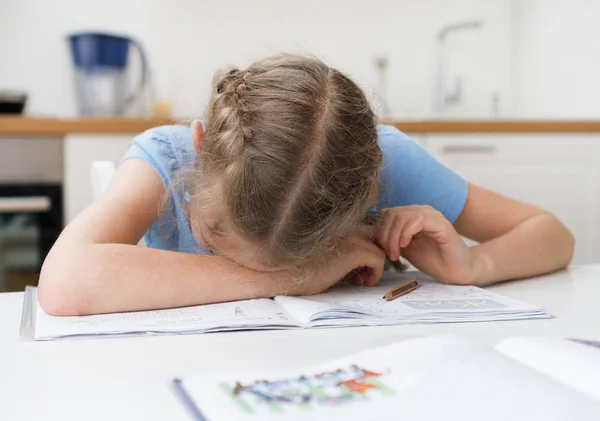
(80, 150)
(560, 173)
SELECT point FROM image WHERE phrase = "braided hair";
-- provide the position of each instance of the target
(291, 151)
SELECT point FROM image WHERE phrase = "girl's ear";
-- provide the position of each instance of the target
(198, 134)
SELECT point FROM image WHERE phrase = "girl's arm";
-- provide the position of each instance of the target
(517, 240)
(96, 267)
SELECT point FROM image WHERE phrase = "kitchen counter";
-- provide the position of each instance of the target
(498, 126)
(28, 126)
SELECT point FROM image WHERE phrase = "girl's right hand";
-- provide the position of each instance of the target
(360, 261)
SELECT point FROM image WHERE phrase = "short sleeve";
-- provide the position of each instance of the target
(167, 149)
(412, 176)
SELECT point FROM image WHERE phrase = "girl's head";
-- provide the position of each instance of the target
(287, 164)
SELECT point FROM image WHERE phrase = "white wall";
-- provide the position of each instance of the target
(188, 39)
(557, 58)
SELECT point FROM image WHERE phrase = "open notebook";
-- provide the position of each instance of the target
(343, 305)
(430, 378)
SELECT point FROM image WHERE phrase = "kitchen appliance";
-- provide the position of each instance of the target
(12, 102)
(31, 206)
(101, 63)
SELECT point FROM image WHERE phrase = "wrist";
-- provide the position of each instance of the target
(482, 267)
(274, 283)
(249, 283)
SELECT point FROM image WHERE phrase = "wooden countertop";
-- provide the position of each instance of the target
(498, 126)
(60, 127)
(27, 126)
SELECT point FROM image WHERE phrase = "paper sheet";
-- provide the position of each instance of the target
(421, 379)
(574, 364)
(431, 302)
(224, 316)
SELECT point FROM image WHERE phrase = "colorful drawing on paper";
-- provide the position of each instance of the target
(330, 388)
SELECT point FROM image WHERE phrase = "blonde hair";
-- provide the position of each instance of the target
(291, 151)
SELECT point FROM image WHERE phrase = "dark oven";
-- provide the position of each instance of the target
(31, 207)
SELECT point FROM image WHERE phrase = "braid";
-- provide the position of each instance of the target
(291, 151)
(228, 113)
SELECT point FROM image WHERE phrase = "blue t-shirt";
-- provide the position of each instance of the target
(409, 176)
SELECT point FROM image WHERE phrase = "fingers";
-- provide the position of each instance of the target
(376, 272)
(370, 261)
(358, 278)
(411, 228)
(397, 231)
(399, 225)
(361, 275)
(394, 233)
(386, 222)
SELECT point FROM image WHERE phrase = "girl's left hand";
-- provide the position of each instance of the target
(429, 241)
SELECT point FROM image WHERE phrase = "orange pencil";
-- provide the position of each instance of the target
(399, 291)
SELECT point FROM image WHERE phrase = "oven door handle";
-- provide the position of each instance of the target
(30, 204)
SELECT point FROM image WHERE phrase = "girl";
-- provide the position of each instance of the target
(270, 196)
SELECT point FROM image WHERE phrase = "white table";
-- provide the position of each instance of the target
(128, 378)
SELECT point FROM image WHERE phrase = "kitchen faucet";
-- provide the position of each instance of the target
(442, 97)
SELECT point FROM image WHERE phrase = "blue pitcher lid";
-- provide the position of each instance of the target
(97, 50)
